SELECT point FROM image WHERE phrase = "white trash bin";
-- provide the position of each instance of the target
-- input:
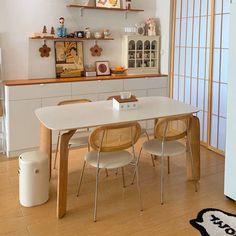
(33, 178)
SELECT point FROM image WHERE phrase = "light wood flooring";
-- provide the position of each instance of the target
(118, 208)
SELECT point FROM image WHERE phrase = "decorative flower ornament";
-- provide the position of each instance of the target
(96, 51)
(44, 51)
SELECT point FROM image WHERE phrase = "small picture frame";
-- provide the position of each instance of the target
(102, 68)
(108, 3)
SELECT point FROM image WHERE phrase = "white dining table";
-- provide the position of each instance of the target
(69, 118)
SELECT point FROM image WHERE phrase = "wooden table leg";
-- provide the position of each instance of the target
(195, 145)
(63, 174)
(46, 144)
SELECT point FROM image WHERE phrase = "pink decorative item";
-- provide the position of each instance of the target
(151, 27)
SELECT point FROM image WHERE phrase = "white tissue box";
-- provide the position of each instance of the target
(125, 104)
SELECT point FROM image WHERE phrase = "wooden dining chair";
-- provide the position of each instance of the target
(167, 134)
(109, 144)
(79, 141)
(143, 130)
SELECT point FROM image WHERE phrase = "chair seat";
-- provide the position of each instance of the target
(109, 160)
(79, 141)
(171, 148)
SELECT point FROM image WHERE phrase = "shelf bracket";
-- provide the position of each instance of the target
(81, 11)
(126, 15)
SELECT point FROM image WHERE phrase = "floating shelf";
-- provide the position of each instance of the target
(72, 39)
(81, 7)
(104, 8)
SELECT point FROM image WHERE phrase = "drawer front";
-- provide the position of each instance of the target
(135, 84)
(110, 86)
(145, 83)
(100, 86)
(22, 92)
(55, 90)
(88, 87)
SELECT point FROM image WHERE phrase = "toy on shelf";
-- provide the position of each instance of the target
(106, 33)
(61, 30)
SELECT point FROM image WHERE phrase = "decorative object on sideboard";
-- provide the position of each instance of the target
(151, 27)
(52, 31)
(44, 50)
(102, 68)
(61, 30)
(96, 51)
(108, 3)
(69, 59)
(118, 70)
(90, 70)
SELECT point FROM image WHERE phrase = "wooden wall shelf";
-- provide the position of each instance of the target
(72, 39)
(104, 8)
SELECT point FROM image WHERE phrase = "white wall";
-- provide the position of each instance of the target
(20, 18)
(163, 13)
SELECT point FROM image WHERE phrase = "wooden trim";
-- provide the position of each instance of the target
(210, 87)
(78, 79)
(172, 55)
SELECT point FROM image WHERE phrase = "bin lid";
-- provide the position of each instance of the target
(33, 157)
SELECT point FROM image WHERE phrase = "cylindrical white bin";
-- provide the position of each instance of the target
(33, 178)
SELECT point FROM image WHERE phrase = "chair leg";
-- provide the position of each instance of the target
(81, 178)
(192, 166)
(153, 161)
(136, 164)
(146, 133)
(168, 162)
(162, 180)
(96, 196)
(57, 147)
(106, 172)
(138, 186)
(123, 176)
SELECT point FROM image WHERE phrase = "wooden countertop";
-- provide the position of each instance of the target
(78, 79)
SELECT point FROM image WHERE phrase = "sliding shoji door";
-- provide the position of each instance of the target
(199, 63)
(220, 74)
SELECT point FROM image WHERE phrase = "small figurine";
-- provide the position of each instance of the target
(106, 33)
(128, 4)
(87, 33)
(44, 29)
(61, 30)
(151, 27)
(52, 31)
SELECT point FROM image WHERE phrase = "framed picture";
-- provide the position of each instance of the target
(108, 3)
(102, 68)
(69, 59)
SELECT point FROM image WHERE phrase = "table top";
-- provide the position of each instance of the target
(92, 114)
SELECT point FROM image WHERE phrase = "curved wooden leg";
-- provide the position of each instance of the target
(194, 140)
(63, 173)
(46, 144)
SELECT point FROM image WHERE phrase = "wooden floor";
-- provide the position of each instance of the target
(118, 208)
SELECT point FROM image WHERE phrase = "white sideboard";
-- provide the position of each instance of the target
(22, 126)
